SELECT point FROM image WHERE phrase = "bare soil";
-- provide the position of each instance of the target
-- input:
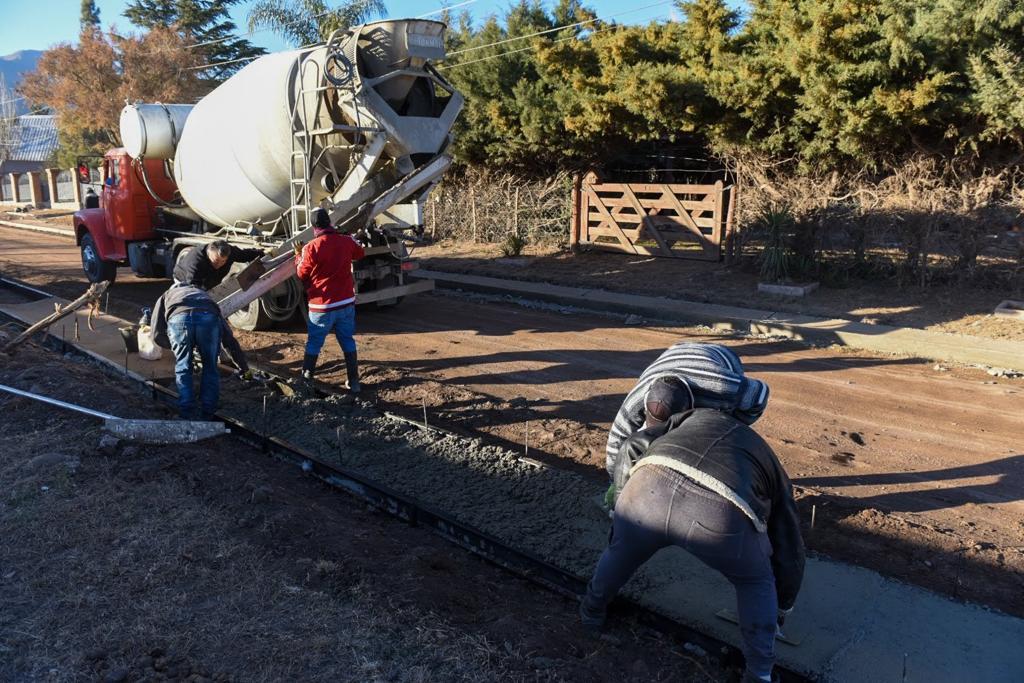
(913, 469)
(944, 308)
(212, 562)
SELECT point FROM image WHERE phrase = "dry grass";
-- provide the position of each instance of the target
(922, 221)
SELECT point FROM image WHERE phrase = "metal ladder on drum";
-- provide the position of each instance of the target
(301, 206)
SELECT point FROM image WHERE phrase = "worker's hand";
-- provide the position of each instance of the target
(269, 251)
(297, 248)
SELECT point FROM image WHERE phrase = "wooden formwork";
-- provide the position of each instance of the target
(652, 219)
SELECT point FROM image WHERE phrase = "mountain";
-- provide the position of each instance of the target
(12, 66)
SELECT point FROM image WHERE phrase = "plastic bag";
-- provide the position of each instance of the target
(148, 350)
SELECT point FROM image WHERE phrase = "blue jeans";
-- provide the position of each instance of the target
(660, 507)
(341, 321)
(196, 329)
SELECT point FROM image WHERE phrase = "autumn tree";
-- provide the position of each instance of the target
(205, 23)
(86, 85)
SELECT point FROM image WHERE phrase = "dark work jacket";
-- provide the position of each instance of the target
(715, 449)
(176, 300)
(194, 267)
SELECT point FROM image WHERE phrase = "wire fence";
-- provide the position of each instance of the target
(487, 207)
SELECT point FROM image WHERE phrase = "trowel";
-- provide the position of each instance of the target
(144, 431)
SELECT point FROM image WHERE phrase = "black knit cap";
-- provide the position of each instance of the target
(321, 219)
(666, 397)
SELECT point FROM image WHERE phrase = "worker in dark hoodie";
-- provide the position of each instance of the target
(186, 318)
(701, 479)
(325, 268)
(206, 267)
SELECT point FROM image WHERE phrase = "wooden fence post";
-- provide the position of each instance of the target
(574, 220)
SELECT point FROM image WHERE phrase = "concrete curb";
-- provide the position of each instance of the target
(64, 232)
(882, 338)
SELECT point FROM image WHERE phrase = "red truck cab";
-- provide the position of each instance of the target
(109, 236)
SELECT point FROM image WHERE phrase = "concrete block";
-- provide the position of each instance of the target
(1011, 309)
(787, 290)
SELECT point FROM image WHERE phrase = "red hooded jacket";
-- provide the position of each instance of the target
(326, 269)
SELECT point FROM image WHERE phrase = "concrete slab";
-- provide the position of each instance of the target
(881, 338)
(102, 342)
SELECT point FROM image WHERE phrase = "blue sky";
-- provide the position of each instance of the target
(24, 25)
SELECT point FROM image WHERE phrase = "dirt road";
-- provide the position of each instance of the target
(915, 471)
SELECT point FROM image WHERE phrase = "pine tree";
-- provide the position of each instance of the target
(206, 22)
(90, 16)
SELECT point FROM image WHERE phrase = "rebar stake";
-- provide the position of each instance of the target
(266, 445)
(814, 510)
(424, 399)
(526, 441)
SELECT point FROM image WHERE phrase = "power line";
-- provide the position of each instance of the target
(292, 23)
(302, 47)
(445, 9)
(559, 28)
(529, 47)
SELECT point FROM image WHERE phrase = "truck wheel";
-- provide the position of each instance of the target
(96, 269)
(251, 318)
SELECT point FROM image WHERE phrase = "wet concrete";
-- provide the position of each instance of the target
(854, 624)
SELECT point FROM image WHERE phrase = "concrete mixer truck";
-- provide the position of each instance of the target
(358, 126)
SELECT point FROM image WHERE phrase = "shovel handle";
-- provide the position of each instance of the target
(55, 402)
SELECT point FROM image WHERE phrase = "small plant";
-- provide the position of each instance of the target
(513, 245)
(777, 257)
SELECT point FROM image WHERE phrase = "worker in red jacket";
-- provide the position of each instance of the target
(325, 268)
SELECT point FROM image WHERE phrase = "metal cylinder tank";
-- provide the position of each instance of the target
(236, 159)
(232, 163)
(152, 130)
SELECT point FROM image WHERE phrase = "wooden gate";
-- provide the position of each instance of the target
(653, 219)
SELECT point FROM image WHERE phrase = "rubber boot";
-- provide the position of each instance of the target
(352, 370)
(308, 366)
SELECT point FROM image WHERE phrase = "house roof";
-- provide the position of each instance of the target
(36, 138)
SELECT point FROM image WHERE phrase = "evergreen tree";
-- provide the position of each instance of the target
(205, 22)
(90, 15)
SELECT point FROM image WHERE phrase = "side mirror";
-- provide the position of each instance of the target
(83, 173)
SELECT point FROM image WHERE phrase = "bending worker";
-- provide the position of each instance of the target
(696, 476)
(325, 268)
(186, 318)
(206, 267)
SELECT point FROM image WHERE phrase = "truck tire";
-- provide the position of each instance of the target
(252, 318)
(96, 269)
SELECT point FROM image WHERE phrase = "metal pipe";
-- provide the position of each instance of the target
(59, 404)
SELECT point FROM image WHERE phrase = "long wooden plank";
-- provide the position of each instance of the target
(661, 203)
(654, 187)
(632, 218)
